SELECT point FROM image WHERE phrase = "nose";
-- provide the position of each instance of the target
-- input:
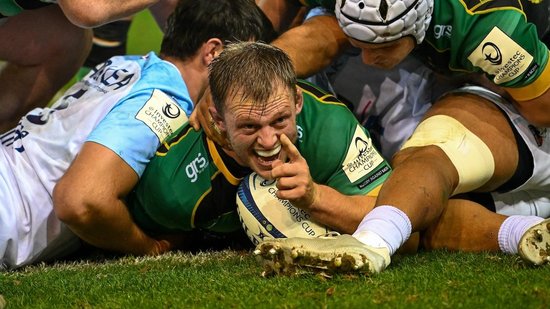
(267, 137)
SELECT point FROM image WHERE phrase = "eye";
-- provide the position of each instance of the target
(280, 121)
(248, 128)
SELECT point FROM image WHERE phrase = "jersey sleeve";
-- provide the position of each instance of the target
(144, 118)
(508, 50)
(339, 151)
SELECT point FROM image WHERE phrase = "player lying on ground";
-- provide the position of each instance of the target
(333, 170)
(470, 140)
(93, 144)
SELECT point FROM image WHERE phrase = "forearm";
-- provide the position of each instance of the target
(112, 228)
(341, 212)
(89, 14)
(89, 200)
(313, 45)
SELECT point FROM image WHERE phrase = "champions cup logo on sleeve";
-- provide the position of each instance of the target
(362, 158)
(162, 115)
(500, 56)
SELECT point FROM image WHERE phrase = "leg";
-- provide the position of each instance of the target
(465, 143)
(464, 226)
(45, 50)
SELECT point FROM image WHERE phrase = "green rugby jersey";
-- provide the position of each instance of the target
(502, 39)
(14, 7)
(192, 184)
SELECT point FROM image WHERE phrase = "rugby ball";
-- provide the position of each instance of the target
(264, 215)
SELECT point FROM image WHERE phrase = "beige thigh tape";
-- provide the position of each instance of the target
(470, 156)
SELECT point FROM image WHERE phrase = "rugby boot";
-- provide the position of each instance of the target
(534, 245)
(335, 254)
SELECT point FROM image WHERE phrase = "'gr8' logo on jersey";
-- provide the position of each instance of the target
(197, 166)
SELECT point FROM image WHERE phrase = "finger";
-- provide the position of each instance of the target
(290, 149)
(277, 169)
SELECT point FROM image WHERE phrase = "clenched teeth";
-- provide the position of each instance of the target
(269, 153)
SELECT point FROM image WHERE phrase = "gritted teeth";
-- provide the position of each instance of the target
(269, 153)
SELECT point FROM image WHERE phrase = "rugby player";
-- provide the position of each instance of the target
(470, 140)
(502, 45)
(333, 170)
(65, 170)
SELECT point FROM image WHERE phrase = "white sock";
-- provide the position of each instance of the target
(385, 226)
(511, 231)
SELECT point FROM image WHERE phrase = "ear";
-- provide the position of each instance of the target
(211, 49)
(217, 118)
(299, 100)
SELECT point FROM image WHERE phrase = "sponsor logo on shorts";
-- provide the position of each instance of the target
(501, 57)
(362, 158)
(162, 115)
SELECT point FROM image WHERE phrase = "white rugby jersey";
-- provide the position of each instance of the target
(129, 104)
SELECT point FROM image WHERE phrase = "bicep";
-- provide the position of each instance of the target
(97, 175)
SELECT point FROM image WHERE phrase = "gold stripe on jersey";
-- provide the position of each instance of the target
(318, 94)
(166, 145)
(198, 203)
(483, 7)
(220, 164)
(375, 192)
(534, 89)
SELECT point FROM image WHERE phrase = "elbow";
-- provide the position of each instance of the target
(70, 207)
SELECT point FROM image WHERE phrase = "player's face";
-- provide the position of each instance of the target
(385, 55)
(253, 129)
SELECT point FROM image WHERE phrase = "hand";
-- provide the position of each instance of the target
(294, 182)
(201, 118)
(165, 243)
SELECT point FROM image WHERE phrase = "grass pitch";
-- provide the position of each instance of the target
(231, 279)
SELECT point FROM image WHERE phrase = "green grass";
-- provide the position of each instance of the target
(231, 279)
(144, 35)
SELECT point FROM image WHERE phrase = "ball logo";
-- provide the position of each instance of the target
(263, 182)
(361, 145)
(171, 111)
(267, 183)
(492, 53)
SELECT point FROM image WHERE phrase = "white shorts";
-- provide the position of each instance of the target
(531, 195)
(19, 238)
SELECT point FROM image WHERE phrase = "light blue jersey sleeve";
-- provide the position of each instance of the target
(157, 105)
